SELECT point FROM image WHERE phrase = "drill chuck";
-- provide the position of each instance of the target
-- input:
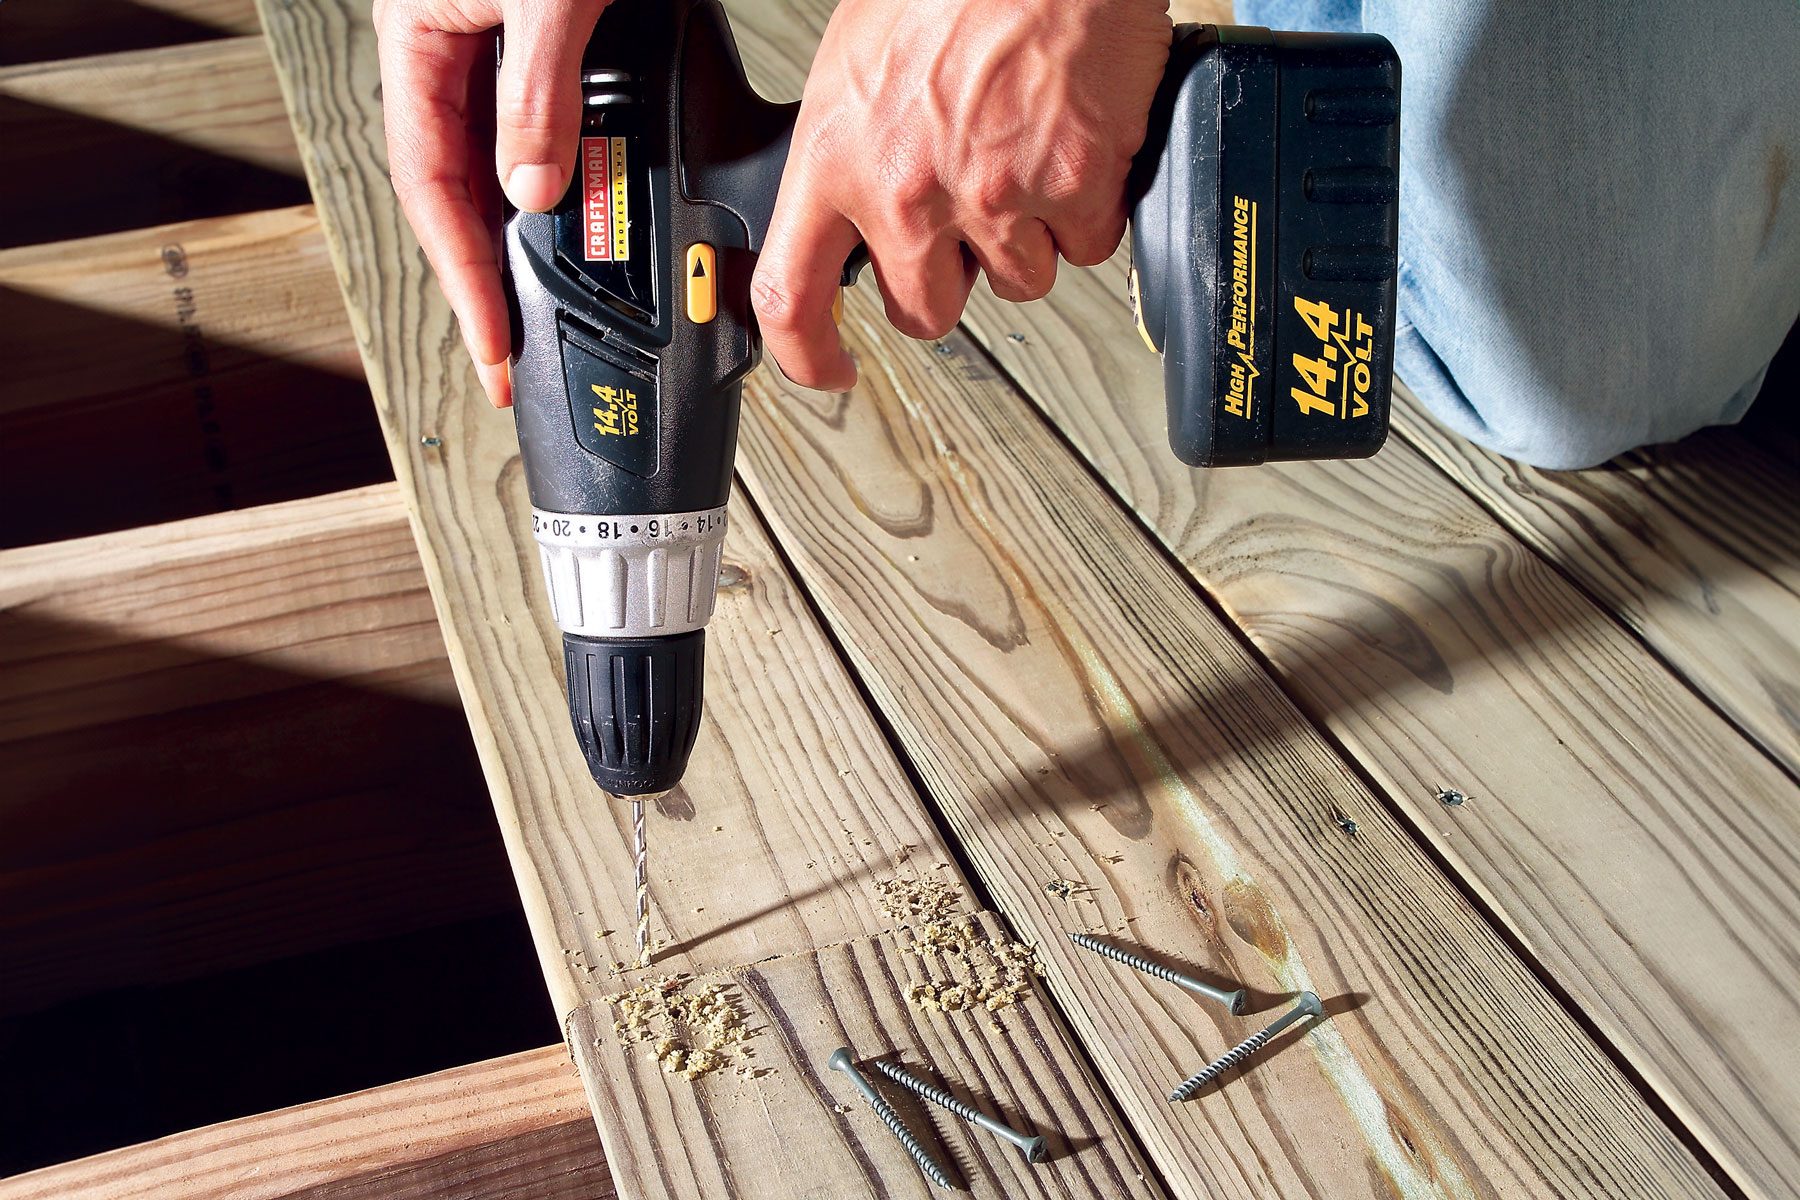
(632, 595)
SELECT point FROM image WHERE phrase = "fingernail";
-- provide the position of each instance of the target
(535, 187)
(496, 380)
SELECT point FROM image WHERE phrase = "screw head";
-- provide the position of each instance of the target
(1034, 1149)
(1310, 1004)
(1235, 1003)
(840, 1059)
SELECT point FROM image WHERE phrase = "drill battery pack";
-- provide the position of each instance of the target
(1265, 222)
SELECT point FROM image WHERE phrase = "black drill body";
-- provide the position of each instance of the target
(633, 330)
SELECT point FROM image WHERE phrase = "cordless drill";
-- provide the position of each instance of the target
(1264, 217)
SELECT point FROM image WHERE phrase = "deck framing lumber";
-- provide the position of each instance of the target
(164, 696)
(142, 137)
(42, 30)
(180, 369)
(495, 1130)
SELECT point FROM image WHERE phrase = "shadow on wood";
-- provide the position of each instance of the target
(41, 30)
(110, 177)
(241, 428)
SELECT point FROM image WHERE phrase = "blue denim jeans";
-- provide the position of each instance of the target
(1599, 211)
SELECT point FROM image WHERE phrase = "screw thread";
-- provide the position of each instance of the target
(1137, 961)
(1220, 1065)
(936, 1095)
(892, 1120)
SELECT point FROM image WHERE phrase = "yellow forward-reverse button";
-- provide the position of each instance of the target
(702, 283)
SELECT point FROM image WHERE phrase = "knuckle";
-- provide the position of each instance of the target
(994, 197)
(1069, 168)
(525, 109)
(776, 305)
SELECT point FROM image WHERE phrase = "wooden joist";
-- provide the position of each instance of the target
(143, 137)
(1628, 836)
(226, 741)
(40, 30)
(182, 369)
(509, 1127)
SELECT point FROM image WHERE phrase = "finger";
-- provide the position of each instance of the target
(1019, 260)
(796, 287)
(539, 101)
(426, 77)
(1090, 239)
(925, 290)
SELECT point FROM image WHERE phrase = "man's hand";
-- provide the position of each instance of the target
(950, 135)
(444, 115)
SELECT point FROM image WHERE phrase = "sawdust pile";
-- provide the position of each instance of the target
(690, 1033)
(990, 973)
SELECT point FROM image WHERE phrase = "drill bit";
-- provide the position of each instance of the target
(643, 881)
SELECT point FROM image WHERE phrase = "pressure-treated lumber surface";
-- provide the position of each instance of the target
(1070, 649)
(38, 30)
(510, 1127)
(775, 843)
(1037, 658)
(225, 741)
(1646, 855)
(801, 1124)
(140, 138)
(166, 372)
(1694, 546)
(1079, 714)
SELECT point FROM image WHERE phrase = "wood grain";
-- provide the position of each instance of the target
(801, 1130)
(793, 806)
(509, 1127)
(1692, 546)
(1625, 833)
(143, 137)
(38, 30)
(227, 741)
(166, 372)
(1078, 713)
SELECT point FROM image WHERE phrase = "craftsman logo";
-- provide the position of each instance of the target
(1335, 381)
(1240, 329)
(616, 414)
(606, 219)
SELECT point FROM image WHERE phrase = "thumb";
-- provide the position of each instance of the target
(539, 99)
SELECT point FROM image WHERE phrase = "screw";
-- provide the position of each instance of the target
(840, 1061)
(1032, 1146)
(1233, 1001)
(1308, 1006)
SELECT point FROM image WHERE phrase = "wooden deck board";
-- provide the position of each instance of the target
(1693, 546)
(1475, 1075)
(787, 1132)
(497, 1130)
(774, 845)
(1628, 836)
(1078, 714)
